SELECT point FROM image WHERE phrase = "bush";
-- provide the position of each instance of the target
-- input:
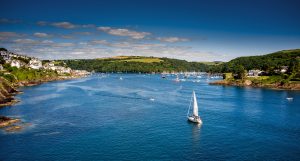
(9, 77)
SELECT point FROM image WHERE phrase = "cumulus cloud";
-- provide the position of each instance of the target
(172, 39)
(103, 42)
(42, 23)
(124, 32)
(67, 44)
(41, 35)
(65, 25)
(85, 43)
(24, 41)
(6, 35)
(102, 48)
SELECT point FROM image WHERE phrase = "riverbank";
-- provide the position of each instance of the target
(249, 83)
(9, 90)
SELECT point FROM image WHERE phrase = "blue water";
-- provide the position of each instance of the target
(105, 118)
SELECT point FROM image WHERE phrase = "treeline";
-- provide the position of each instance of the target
(121, 65)
(268, 63)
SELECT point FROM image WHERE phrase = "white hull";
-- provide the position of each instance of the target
(195, 120)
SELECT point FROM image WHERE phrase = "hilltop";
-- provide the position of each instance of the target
(135, 64)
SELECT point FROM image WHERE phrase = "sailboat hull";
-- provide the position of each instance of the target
(194, 120)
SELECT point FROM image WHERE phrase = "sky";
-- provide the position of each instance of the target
(193, 30)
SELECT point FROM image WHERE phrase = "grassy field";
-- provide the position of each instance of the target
(140, 59)
(211, 63)
(143, 60)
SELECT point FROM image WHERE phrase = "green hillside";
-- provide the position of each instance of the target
(133, 64)
(267, 62)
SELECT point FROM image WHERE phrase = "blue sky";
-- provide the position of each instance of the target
(199, 30)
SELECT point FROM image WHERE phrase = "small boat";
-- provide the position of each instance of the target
(289, 98)
(121, 78)
(194, 117)
(177, 79)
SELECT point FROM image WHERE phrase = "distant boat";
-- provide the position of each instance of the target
(289, 98)
(195, 116)
(121, 78)
(177, 79)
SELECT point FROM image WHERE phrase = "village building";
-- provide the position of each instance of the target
(80, 72)
(35, 64)
(15, 63)
(284, 69)
(62, 70)
(254, 73)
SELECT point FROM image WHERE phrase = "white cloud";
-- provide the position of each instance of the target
(172, 39)
(42, 23)
(103, 42)
(65, 25)
(9, 35)
(47, 42)
(41, 35)
(124, 32)
(25, 41)
(63, 44)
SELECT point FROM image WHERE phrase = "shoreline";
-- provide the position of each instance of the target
(247, 83)
(8, 93)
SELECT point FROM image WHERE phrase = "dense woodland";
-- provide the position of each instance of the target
(129, 66)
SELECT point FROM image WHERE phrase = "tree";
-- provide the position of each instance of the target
(2, 61)
(239, 71)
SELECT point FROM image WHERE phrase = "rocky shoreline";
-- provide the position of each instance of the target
(10, 124)
(7, 93)
(249, 83)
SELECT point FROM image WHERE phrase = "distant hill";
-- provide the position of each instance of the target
(133, 64)
(143, 64)
(267, 62)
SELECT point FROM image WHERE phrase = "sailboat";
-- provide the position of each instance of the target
(194, 117)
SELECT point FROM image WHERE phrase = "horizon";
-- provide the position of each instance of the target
(190, 30)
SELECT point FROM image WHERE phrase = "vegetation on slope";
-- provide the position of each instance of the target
(135, 64)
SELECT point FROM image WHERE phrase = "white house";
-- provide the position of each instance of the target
(61, 70)
(284, 69)
(49, 65)
(254, 73)
(15, 63)
(80, 72)
(35, 64)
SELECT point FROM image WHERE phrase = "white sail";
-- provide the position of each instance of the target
(195, 108)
